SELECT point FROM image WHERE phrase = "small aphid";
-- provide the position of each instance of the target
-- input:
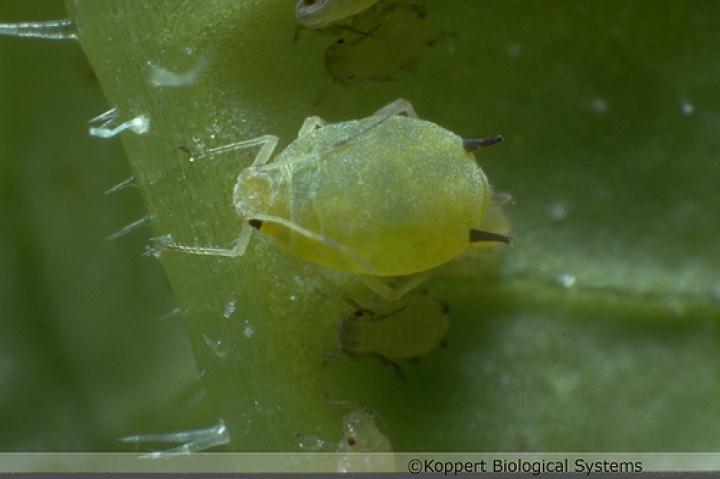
(396, 42)
(402, 332)
(387, 195)
(360, 433)
(320, 13)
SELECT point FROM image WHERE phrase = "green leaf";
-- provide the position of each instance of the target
(595, 331)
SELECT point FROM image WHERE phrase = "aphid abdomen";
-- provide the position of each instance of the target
(403, 195)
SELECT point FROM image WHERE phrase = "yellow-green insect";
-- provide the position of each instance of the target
(320, 13)
(395, 333)
(386, 195)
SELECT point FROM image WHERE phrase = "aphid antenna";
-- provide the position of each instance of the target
(332, 243)
(344, 142)
(472, 144)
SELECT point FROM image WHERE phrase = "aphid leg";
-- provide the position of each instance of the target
(319, 237)
(393, 294)
(388, 111)
(238, 249)
(385, 361)
(268, 142)
(310, 124)
(397, 107)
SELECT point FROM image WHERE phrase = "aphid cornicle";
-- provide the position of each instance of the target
(386, 195)
(320, 13)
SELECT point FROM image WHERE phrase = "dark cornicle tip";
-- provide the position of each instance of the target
(257, 224)
(472, 144)
(479, 235)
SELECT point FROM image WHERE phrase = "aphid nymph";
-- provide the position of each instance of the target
(386, 195)
(320, 13)
(396, 332)
(361, 435)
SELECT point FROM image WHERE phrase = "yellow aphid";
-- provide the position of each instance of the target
(320, 13)
(386, 195)
(399, 332)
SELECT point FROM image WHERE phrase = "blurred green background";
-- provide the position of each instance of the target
(84, 356)
(597, 330)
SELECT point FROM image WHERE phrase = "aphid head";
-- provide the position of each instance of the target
(257, 192)
(312, 13)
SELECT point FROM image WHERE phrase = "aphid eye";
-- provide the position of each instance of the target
(257, 224)
(351, 441)
(310, 3)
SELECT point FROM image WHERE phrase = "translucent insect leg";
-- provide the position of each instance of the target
(310, 124)
(319, 237)
(238, 249)
(393, 294)
(268, 142)
(388, 111)
(397, 107)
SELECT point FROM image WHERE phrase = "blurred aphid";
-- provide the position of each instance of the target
(320, 13)
(360, 434)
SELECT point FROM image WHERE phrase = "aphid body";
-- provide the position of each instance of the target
(320, 13)
(404, 332)
(360, 434)
(387, 195)
(395, 43)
